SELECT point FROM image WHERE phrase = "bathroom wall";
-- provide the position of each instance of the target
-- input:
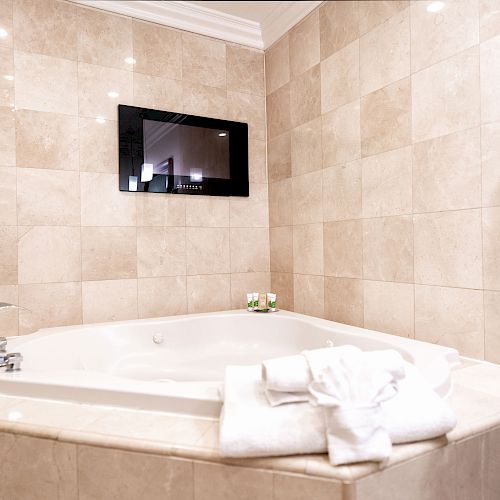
(383, 127)
(73, 248)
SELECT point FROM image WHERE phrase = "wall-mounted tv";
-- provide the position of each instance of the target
(168, 152)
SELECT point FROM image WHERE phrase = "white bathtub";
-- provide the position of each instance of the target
(120, 363)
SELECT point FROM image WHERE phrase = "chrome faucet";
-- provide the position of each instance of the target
(11, 361)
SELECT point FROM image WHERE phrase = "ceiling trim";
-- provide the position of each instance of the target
(210, 22)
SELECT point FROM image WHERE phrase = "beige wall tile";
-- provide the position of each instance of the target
(201, 100)
(291, 487)
(245, 70)
(257, 165)
(207, 250)
(49, 254)
(281, 243)
(104, 39)
(161, 251)
(207, 212)
(342, 192)
(340, 78)
(243, 283)
(157, 50)
(307, 198)
(386, 118)
(492, 326)
(436, 36)
(279, 157)
(282, 286)
(165, 296)
(46, 27)
(469, 475)
(304, 44)
(389, 307)
(344, 300)
(6, 69)
(388, 249)
(10, 317)
(277, 62)
(160, 210)
(210, 292)
(445, 97)
(374, 12)
(447, 172)
(308, 249)
(451, 317)
(246, 258)
(489, 19)
(387, 183)
(490, 94)
(306, 149)
(249, 109)
(492, 482)
(110, 300)
(98, 142)
(280, 203)
(109, 253)
(6, 14)
(305, 96)
(448, 249)
(251, 211)
(341, 134)
(48, 305)
(158, 93)
(8, 255)
(45, 83)
(7, 137)
(8, 209)
(343, 248)
(308, 294)
(491, 248)
(48, 197)
(339, 25)
(278, 111)
(490, 156)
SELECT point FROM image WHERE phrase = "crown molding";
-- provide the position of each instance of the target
(210, 22)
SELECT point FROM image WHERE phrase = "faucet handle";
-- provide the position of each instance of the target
(3, 343)
(13, 361)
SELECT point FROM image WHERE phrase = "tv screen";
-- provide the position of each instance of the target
(167, 152)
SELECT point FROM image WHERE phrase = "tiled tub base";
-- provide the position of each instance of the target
(34, 468)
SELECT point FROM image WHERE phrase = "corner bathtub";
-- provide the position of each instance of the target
(176, 364)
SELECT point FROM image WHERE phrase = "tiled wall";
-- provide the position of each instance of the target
(72, 247)
(384, 169)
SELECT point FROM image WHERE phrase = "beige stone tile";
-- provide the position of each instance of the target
(251, 211)
(340, 78)
(375, 12)
(157, 50)
(305, 96)
(110, 300)
(48, 197)
(344, 300)
(49, 254)
(489, 19)
(7, 137)
(490, 156)
(447, 172)
(280, 203)
(343, 248)
(308, 294)
(207, 212)
(98, 141)
(307, 198)
(245, 257)
(165, 296)
(6, 21)
(46, 140)
(109, 253)
(282, 286)
(161, 251)
(257, 163)
(155, 477)
(469, 468)
(157, 93)
(50, 465)
(304, 44)
(48, 305)
(279, 150)
(161, 210)
(45, 83)
(342, 192)
(201, 100)
(119, 209)
(94, 84)
(437, 36)
(278, 112)
(243, 283)
(277, 63)
(388, 249)
(448, 249)
(492, 326)
(245, 70)
(6, 69)
(249, 109)
(341, 134)
(46, 27)
(491, 460)
(8, 255)
(10, 317)
(451, 317)
(308, 249)
(207, 250)
(389, 307)
(8, 210)
(223, 482)
(445, 97)
(281, 243)
(386, 118)
(294, 487)
(339, 25)
(385, 53)
(306, 149)
(210, 292)
(490, 94)
(491, 248)
(387, 183)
